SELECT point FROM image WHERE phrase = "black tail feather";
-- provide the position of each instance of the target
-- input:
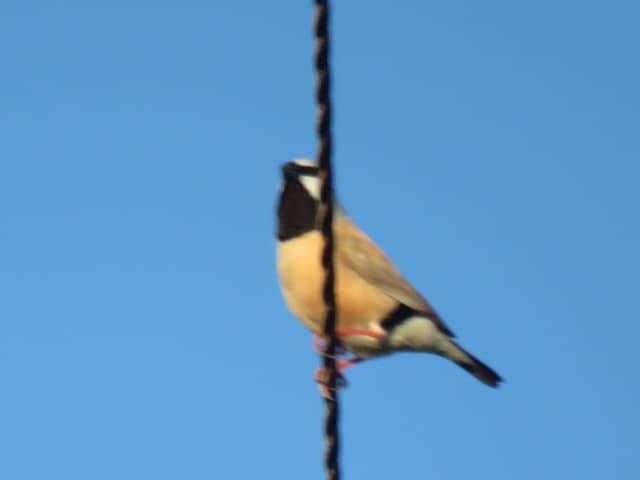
(481, 371)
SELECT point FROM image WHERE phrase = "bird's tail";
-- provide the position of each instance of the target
(475, 367)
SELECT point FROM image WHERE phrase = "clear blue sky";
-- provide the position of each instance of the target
(491, 148)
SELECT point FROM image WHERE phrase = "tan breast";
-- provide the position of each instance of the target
(360, 305)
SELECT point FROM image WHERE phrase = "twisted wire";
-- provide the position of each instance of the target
(324, 133)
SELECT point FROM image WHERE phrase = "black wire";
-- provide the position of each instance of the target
(323, 130)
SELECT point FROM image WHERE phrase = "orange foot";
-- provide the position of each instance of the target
(322, 376)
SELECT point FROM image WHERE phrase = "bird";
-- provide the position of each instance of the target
(378, 312)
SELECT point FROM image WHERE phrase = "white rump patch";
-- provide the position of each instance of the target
(418, 334)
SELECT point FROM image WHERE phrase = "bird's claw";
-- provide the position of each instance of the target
(322, 378)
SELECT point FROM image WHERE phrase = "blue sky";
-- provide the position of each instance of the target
(491, 148)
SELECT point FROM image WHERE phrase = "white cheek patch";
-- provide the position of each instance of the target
(312, 184)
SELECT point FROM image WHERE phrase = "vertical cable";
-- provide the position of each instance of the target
(323, 130)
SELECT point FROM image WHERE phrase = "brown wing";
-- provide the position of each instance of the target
(358, 253)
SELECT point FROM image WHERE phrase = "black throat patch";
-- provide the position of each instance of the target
(296, 211)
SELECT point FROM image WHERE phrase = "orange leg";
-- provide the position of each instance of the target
(321, 376)
(318, 338)
(358, 332)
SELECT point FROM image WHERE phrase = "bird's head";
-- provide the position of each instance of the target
(299, 199)
(305, 173)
